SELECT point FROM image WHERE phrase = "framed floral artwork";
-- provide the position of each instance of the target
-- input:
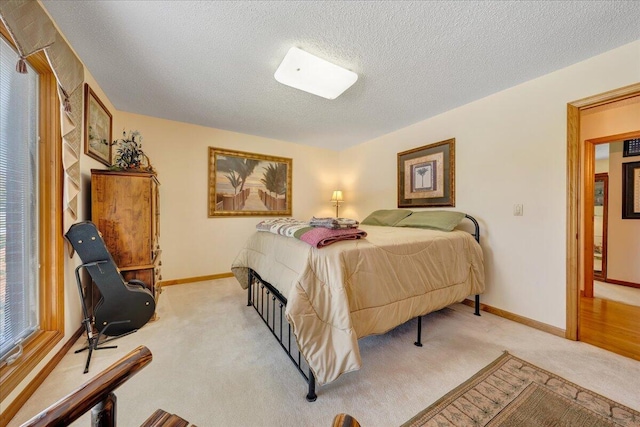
(97, 128)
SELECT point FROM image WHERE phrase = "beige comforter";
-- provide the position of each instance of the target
(352, 289)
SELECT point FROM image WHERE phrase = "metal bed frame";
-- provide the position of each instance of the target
(269, 303)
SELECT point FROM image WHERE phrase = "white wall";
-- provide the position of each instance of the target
(602, 166)
(192, 243)
(510, 148)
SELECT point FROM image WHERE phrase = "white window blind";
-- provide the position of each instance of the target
(18, 203)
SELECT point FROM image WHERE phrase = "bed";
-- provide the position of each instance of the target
(332, 296)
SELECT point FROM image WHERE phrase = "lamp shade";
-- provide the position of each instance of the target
(337, 196)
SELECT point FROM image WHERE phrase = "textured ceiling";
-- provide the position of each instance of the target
(211, 62)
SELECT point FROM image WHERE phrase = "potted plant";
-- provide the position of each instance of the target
(129, 154)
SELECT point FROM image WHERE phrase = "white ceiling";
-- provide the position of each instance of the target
(212, 62)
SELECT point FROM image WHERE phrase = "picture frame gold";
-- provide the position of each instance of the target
(631, 190)
(426, 176)
(97, 127)
(248, 184)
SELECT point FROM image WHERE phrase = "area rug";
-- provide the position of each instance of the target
(512, 392)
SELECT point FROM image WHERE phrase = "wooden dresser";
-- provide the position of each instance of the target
(125, 208)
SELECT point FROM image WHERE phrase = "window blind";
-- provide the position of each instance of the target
(18, 202)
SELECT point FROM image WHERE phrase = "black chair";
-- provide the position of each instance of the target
(123, 307)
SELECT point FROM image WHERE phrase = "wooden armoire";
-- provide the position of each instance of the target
(125, 208)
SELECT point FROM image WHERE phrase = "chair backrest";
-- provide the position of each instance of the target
(123, 308)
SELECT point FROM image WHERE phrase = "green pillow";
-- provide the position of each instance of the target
(438, 220)
(388, 217)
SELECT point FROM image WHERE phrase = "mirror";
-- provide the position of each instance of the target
(600, 211)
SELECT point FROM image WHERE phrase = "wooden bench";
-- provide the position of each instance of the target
(97, 395)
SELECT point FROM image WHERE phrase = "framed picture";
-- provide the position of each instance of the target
(600, 189)
(248, 184)
(631, 190)
(97, 128)
(426, 176)
(631, 147)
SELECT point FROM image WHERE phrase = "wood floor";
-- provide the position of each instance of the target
(610, 325)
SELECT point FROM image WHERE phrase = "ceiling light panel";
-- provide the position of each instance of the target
(307, 72)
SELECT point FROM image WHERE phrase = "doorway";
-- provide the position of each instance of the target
(605, 323)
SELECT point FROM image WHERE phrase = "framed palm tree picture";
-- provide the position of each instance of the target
(248, 184)
(426, 176)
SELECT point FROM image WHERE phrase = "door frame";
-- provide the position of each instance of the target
(577, 159)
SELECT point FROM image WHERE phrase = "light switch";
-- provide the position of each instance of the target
(518, 210)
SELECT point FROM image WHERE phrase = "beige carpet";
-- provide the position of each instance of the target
(512, 392)
(216, 364)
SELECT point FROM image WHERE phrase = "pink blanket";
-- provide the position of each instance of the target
(321, 237)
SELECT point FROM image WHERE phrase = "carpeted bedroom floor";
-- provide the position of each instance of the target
(216, 364)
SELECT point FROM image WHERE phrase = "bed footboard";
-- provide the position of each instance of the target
(270, 304)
